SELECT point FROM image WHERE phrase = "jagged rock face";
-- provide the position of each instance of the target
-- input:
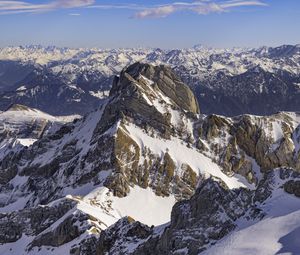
(137, 90)
(212, 213)
(156, 172)
(101, 151)
(30, 222)
(204, 213)
(21, 126)
(165, 80)
(52, 226)
(22, 122)
(69, 229)
(146, 135)
(240, 144)
(125, 162)
(122, 237)
(293, 187)
(201, 219)
(134, 97)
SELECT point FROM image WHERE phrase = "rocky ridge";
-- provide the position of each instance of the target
(21, 126)
(229, 82)
(146, 138)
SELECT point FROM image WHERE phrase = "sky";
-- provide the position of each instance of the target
(139, 23)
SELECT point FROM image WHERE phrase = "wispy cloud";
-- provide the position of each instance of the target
(15, 7)
(199, 7)
(119, 6)
(140, 11)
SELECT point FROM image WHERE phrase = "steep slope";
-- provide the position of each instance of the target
(109, 143)
(21, 126)
(249, 145)
(128, 150)
(218, 220)
(51, 93)
(11, 72)
(62, 81)
(146, 147)
(256, 91)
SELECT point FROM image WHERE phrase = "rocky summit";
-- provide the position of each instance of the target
(147, 173)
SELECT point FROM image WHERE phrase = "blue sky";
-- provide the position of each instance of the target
(164, 24)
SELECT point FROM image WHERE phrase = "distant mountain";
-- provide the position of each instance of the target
(148, 156)
(229, 82)
(21, 126)
(12, 72)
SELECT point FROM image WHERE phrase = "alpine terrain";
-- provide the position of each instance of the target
(230, 82)
(148, 171)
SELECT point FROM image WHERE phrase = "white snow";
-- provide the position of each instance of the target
(26, 141)
(160, 107)
(180, 153)
(17, 115)
(255, 168)
(21, 88)
(149, 82)
(147, 99)
(143, 205)
(99, 94)
(140, 204)
(277, 131)
(298, 85)
(15, 206)
(16, 248)
(278, 233)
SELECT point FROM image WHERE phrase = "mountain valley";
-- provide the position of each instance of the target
(230, 82)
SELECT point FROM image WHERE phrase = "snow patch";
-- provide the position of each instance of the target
(26, 141)
(181, 154)
(143, 205)
(275, 234)
(100, 94)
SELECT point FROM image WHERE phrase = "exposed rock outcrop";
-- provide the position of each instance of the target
(149, 134)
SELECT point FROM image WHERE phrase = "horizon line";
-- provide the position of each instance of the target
(44, 46)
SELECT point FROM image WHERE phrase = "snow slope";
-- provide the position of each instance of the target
(22, 126)
(140, 204)
(90, 161)
(180, 153)
(277, 233)
(17, 117)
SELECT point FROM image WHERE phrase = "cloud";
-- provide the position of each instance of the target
(72, 3)
(157, 12)
(142, 11)
(119, 6)
(200, 7)
(15, 7)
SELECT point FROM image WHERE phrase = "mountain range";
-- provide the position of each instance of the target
(147, 172)
(230, 82)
